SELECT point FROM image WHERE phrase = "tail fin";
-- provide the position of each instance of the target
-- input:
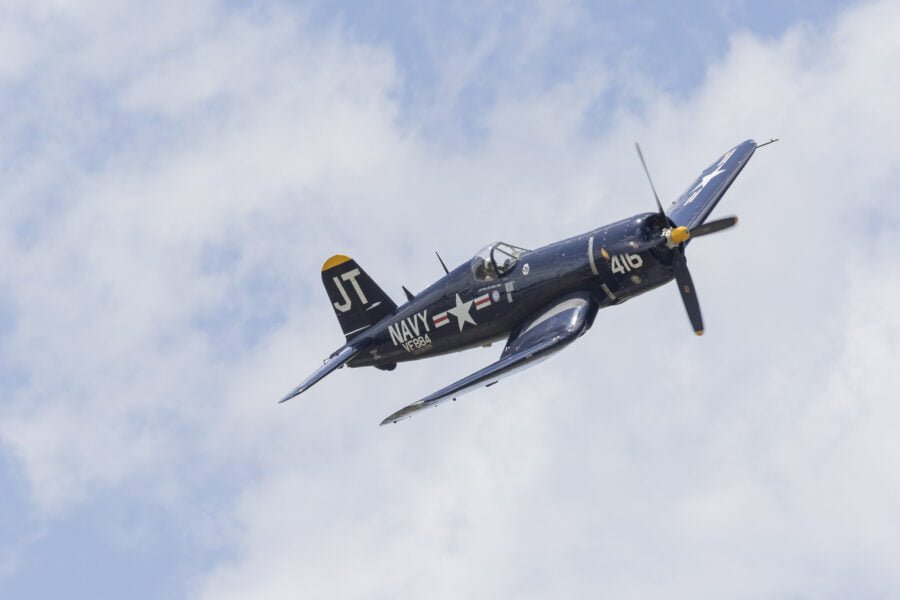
(357, 300)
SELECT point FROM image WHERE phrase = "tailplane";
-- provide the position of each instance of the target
(357, 300)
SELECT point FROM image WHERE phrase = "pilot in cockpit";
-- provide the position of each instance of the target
(485, 265)
(484, 269)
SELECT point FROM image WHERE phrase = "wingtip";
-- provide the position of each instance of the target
(400, 415)
(293, 394)
(391, 419)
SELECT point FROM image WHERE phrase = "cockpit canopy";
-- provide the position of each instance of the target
(495, 260)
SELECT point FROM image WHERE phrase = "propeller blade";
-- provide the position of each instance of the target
(713, 226)
(652, 187)
(687, 291)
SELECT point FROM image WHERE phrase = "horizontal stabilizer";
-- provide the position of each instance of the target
(334, 362)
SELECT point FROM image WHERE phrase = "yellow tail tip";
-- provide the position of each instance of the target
(337, 259)
(699, 332)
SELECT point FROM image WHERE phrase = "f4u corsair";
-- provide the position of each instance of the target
(539, 300)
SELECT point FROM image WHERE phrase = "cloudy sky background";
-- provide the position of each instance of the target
(174, 175)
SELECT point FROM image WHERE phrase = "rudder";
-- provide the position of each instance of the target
(357, 300)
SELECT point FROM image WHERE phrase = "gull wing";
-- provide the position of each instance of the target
(695, 204)
(549, 331)
(489, 375)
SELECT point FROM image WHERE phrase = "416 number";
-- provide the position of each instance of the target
(622, 263)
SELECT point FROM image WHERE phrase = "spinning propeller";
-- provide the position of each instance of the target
(674, 237)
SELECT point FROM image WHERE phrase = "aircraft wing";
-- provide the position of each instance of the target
(692, 208)
(332, 363)
(489, 375)
(547, 332)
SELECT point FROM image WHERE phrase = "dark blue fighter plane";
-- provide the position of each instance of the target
(539, 300)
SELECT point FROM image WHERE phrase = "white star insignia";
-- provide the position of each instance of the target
(461, 312)
(707, 178)
(703, 181)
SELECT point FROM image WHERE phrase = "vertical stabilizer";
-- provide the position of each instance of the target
(356, 299)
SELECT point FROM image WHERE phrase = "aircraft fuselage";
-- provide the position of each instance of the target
(461, 310)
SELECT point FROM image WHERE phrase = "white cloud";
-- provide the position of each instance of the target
(759, 460)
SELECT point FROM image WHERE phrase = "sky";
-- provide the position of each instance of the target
(174, 176)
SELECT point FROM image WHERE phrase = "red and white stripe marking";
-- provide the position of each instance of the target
(482, 301)
(441, 319)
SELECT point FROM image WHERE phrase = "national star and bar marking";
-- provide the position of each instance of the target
(462, 312)
(440, 319)
(482, 301)
(705, 179)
